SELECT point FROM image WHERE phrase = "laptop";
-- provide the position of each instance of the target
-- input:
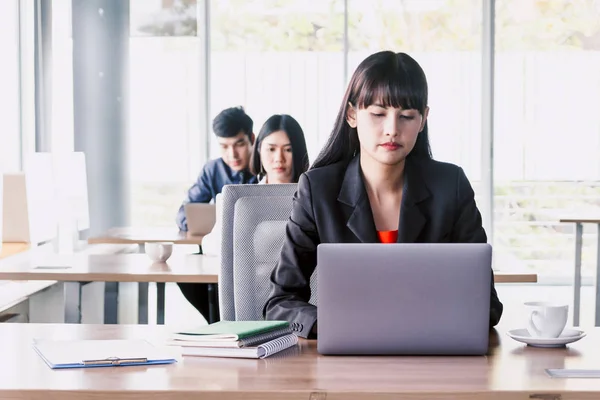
(404, 299)
(200, 218)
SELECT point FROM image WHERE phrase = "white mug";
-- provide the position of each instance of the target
(546, 320)
(159, 251)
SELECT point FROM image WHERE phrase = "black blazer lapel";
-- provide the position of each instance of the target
(412, 220)
(353, 194)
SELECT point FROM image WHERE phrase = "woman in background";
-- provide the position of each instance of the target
(279, 156)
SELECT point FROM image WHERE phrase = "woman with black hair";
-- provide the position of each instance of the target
(279, 154)
(374, 181)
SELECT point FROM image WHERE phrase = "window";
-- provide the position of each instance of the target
(165, 132)
(10, 129)
(444, 37)
(62, 77)
(547, 130)
(275, 57)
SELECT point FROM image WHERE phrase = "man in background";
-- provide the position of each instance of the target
(233, 129)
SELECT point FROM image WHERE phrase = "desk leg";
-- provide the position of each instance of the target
(143, 303)
(160, 303)
(577, 282)
(213, 314)
(111, 302)
(72, 298)
(598, 281)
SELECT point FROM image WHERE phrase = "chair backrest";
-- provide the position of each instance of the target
(231, 195)
(258, 235)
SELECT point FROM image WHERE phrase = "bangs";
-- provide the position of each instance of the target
(392, 86)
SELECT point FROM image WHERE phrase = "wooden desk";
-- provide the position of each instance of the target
(113, 268)
(512, 371)
(10, 249)
(586, 220)
(138, 268)
(514, 277)
(73, 269)
(577, 281)
(12, 293)
(140, 236)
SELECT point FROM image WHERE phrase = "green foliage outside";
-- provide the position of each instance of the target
(409, 25)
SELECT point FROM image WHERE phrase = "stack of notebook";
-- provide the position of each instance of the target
(242, 339)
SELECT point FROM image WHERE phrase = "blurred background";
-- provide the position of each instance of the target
(186, 60)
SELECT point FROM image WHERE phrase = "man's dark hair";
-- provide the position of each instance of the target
(232, 121)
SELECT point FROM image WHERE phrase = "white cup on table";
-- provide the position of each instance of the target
(159, 251)
(546, 319)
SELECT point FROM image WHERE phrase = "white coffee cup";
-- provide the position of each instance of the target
(546, 319)
(159, 251)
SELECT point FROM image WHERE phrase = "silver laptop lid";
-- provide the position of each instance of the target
(201, 218)
(421, 299)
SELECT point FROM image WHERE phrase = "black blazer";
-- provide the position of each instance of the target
(332, 206)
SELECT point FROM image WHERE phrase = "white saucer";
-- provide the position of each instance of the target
(566, 337)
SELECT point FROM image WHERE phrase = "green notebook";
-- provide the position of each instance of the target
(232, 330)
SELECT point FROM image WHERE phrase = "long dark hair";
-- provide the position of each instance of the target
(286, 123)
(395, 80)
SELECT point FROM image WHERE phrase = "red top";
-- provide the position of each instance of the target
(388, 236)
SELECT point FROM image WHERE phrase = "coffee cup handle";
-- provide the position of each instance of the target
(532, 324)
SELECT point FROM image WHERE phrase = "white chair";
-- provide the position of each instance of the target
(254, 221)
(231, 194)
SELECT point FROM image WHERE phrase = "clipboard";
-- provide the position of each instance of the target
(61, 354)
(573, 373)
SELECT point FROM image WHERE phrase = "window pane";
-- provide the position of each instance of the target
(274, 57)
(164, 117)
(62, 77)
(163, 17)
(547, 130)
(10, 145)
(445, 39)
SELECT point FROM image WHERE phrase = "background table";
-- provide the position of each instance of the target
(140, 235)
(514, 277)
(74, 269)
(11, 248)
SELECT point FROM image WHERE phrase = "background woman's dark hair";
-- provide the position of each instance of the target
(286, 123)
(393, 79)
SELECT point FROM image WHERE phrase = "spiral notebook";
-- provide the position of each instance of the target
(195, 341)
(230, 330)
(261, 351)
